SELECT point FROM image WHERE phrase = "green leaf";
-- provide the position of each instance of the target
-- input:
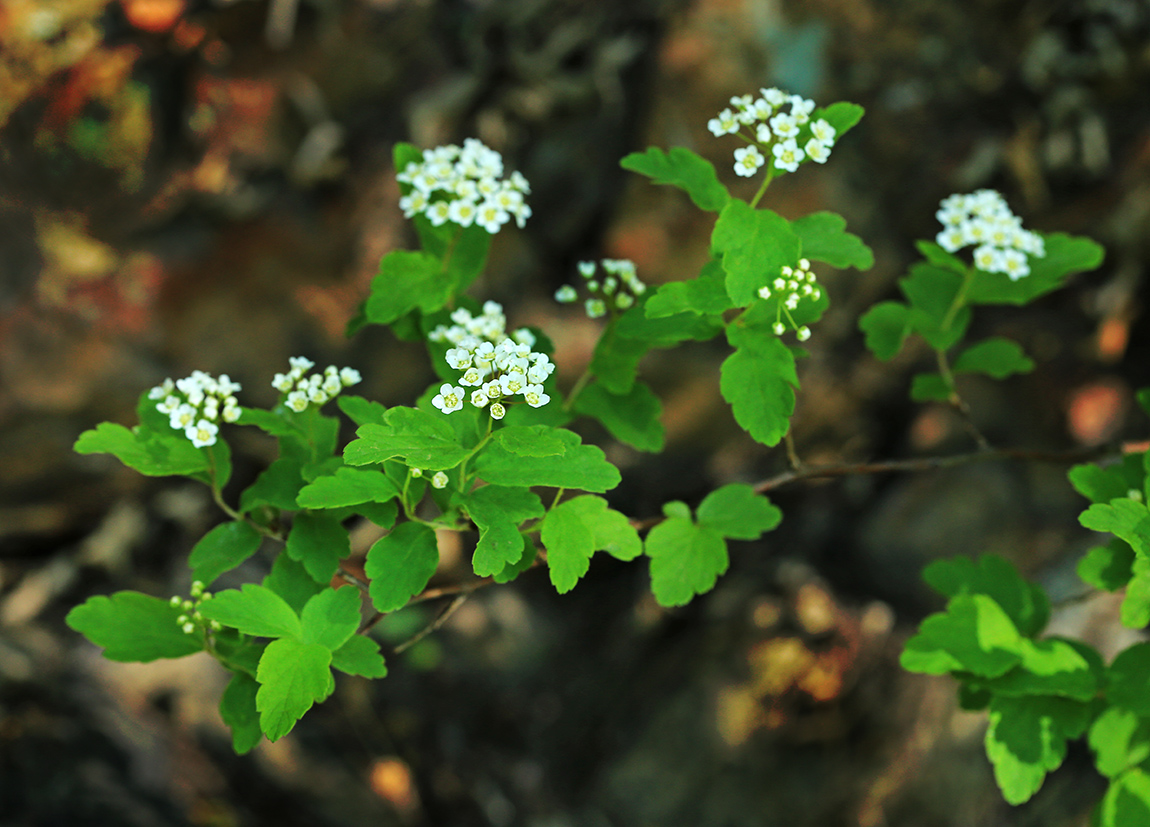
(755, 245)
(583, 467)
(611, 531)
(498, 511)
(407, 280)
(823, 239)
(152, 453)
(422, 439)
(932, 291)
(929, 387)
(758, 380)
(842, 115)
(319, 542)
(133, 627)
(1135, 611)
(531, 440)
(222, 549)
(940, 257)
(569, 545)
(359, 656)
(1101, 485)
(400, 565)
(737, 512)
(683, 169)
(273, 423)
(1127, 801)
(1025, 603)
(1123, 518)
(1108, 567)
(383, 515)
(996, 357)
(1027, 739)
(521, 564)
(886, 326)
(632, 418)
(1052, 667)
(293, 675)
(254, 610)
(238, 709)
(277, 486)
(974, 635)
(686, 559)
(291, 581)
(331, 617)
(361, 411)
(348, 486)
(1065, 256)
(705, 294)
(1129, 675)
(1120, 740)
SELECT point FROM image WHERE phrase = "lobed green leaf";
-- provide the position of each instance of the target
(1025, 603)
(758, 380)
(131, 626)
(238, 710)
(151, 453)
(996, 357)
(498, 512)
(277, 485)
(422, 439)
(823, 238)
(1108, 567)
(400, 565)
(583, 467)
(253, 610)
(319, 542)
(348, 486)
(686, 559)
(737, 512)
(222, 549)
(683, 169)
(331, 617)
(755, 245)
(290, 580)
(1026, 739)
(705, 295)
(293, 676)
(359, 656)
(633, 418)
(886, 326)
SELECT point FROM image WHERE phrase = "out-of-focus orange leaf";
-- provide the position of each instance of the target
(391, 780)
(1096, 411)
(101, 74)
(1113, 336)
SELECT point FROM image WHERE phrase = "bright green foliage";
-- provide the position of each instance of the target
(1051, 667)
(996, 357)
(531, 441)
(683, 169)
(277, 486)
(522, 563)
(331, 617)
(1026, 739)
(424, 440)
(222, 549)
(574, 530)
(361, 411)
(584, 467)
(974, 635)
(133, 627)
(359, 656)
(290, 580)
(293, 675)
(253, 610)
(705, 295)
(498, 511)
(842, 115)
(1108, 567)
(319, 542)
(1101, 485)
(407, 281)
(238, 709)
(400, 565)
(348, 486)
(759, 381)
(1120, 740)
(755, 245)
(1025, 603)
(687, 557)
(1129, 676)
(1127, 801)
(886, 326)
(632, 418)
(929, 387)
(1124, 518)
(152, 453)
(738, 513)
(823, 238)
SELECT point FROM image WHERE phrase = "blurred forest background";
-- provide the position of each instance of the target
(208, 184)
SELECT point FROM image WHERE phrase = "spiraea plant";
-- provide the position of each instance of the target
(488, 451)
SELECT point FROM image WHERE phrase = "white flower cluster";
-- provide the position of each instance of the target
(793, 285)
(315, 389)
(191, 619)
(616, 292)
(774, 131)
(497, 365)
(197, 403)
(982, 218)
(463, 186)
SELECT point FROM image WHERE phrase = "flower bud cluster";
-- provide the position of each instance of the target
(191, 619)
(196, 404)
(616, 292)
(792, 287)
(791, 137)
(316, 389)
(497, 365)
(982, 218)
(463, 186)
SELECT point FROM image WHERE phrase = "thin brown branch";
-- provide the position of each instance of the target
(435, 625)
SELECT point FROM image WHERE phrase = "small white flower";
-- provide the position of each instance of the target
(725, 124)
(779, 328)
(535, 396)
(203, 433)
(332, 386)
(231, 413)
(1014, 264)
(803, 333)
(788, 156)
(415, 472)
(169, 405)
(951, 239)
(301, 363)
(297, 401)
(449, 398)
(497, 411)
(182, 417)
(349, 377)
(764, 292)
(566, 294)
(438, 213)
(823, 132)
(439, 480)
(775, 97)
(989, 259)
(784, 125)
(462, 212)
(748, 159)
(458, 358)
(596, 308)
(801, 108)
(479, 398)
(586, 269)
(763, 133)
(817, 151)
(624, 300)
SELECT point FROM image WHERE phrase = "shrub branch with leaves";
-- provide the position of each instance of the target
(487, 450)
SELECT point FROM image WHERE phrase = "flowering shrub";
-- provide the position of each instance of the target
(486, 451)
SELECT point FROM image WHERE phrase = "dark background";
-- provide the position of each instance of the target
(192, 184)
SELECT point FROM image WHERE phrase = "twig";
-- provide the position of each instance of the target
(435, 625)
